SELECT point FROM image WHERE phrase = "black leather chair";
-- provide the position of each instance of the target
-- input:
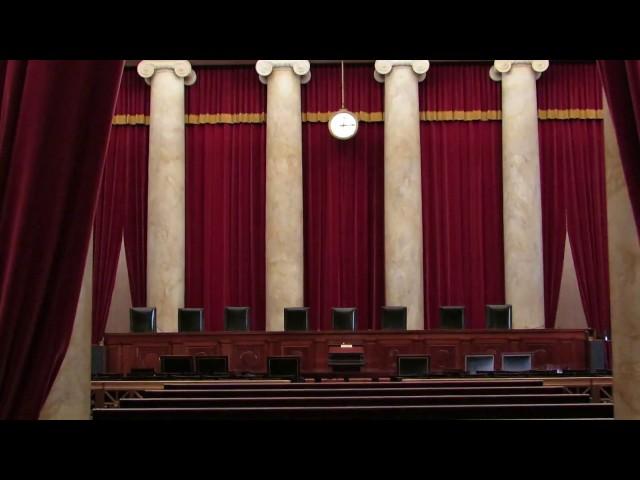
(452, 318)
(176, 364)
(344, 319)
(413, 365)
(517, 362)
(98, 360)
(296, 319)
(393, 318)
(236, 318)
(474, 364)
(498, 317)
(190, 319)
(142, 320)
(286, 367)
(216, 365)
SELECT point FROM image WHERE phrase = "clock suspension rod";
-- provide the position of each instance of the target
(342, 69)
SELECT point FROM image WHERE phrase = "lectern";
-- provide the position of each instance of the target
(346, 358)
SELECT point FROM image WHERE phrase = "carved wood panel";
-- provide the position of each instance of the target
(302, 349)
(385, 353)
(113, 354)
(445, 357)
(248, 357)
(495, 347)
(200, 349)
(248, 351)
(148, 356)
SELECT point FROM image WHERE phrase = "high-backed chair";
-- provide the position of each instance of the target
(344, 319)
(213, 365)
(98, 360)
(393, 318)
(236, 318)
(479, 363)
(498, 317)
(176, 364)
(142, 319)
(452, 318)
(296, 319)
(190, 319)
(413, 365)
(517, 362)
(284, 367)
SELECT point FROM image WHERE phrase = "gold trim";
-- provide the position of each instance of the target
(571, 114)
(460, 115)
(215, 118)
(139, 119)
(324, 117)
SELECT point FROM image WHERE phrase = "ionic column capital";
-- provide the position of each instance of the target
(181, 68)
(302, 68)
(384, 67)
(504, 66)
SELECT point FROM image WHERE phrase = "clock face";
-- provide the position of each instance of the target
(343, 125)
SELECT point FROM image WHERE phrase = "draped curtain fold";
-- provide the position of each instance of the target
(554, 214)
(461, 192)
(135, 223)
(621, 81)
(134, 97)
(343, 199)
(121, 210)
(225, 195)
(55, 118)
(107, 235)
(573, 190)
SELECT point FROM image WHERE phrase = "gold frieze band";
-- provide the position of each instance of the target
(323, 117)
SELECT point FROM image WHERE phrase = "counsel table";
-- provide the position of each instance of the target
(248, 351)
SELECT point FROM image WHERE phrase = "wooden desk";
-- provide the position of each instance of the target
(346, 358)
(248, 351)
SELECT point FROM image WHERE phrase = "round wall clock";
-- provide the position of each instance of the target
(343, 124)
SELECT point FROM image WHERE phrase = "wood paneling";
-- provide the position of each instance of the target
(248, 351)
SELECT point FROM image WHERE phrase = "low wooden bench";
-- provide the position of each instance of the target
(413, 384)
(404, 412)
(350, 392)
(352, 401)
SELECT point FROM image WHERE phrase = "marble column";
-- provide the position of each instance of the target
(624, 281)
(166, 204)
(403, 186)
(284, 241)
(522, 207)
(70, 395)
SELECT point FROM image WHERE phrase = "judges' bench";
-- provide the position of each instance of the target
(248, 351)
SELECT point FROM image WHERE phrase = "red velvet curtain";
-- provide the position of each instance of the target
(461, 191)
(55, 118)
(621, 81)
(107, 234)
(343, 199)
(225, 194)
(573, 187)
(134, 98)
(122, 202)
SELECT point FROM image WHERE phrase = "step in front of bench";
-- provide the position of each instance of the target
(405, 412)
(348, 392)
